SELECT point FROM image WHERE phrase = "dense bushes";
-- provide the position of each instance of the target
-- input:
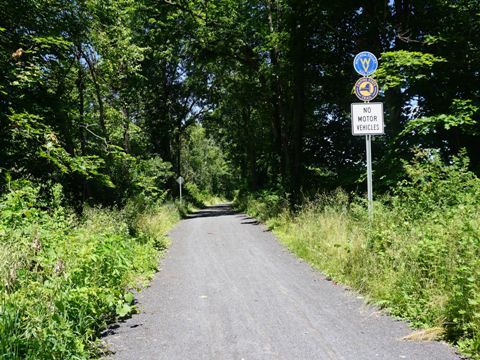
(419, 256)
(64, 278)
(204, 165)
(265, 205)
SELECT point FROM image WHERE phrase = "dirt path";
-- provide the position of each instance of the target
(228, 290)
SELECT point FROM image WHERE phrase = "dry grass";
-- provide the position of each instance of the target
(158, 222)
(431, 334)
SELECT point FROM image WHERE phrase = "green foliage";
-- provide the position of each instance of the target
(104, 96)
(269, 92)
(418, 257)
(198, 197)
(64, 278)
(35, 141)
(431, 185)
(263, 205)
(401, 68)
(150, 177)
(204, 167)
(462, 117)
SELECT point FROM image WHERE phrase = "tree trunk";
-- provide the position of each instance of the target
(81, 101)
(98, 94)
(126, 128)
(298, 112)
(280, 139)
(179, 147)
(80, 180)
(250, 147)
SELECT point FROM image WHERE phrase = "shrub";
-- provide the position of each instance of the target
(66, 278)
(264, 205)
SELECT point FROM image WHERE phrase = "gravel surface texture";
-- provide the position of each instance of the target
(228, 290)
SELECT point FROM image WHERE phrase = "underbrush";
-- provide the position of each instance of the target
(419, 257)
(65, 278)
(201, 198)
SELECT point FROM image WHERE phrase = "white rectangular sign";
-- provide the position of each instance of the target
(367, 119)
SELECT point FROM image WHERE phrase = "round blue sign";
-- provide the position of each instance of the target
(365, 63)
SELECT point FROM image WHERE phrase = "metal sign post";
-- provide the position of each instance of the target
(368, 140)
(180, 181)
(367, 118)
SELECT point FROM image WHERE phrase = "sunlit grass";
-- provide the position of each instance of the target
(65, 278)
(419, 257)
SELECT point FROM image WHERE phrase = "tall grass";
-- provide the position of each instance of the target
(418, 257)
(65, 278)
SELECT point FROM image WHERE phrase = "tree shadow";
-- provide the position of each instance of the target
(247, 220)
(251, 222)
(213, 211)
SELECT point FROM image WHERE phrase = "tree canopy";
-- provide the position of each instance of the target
(103, 94)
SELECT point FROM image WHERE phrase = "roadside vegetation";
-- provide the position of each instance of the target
(68, 272)
(65, 277)
(418, 257)
(104, 104)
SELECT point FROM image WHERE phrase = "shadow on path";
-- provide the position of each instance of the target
(250, 221)
(213, 211)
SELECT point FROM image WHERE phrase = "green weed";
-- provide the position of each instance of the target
(65, 278)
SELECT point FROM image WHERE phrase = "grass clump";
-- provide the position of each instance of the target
(418, 257)
(64, 278)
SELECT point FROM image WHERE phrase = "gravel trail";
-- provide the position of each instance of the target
(228, 290)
